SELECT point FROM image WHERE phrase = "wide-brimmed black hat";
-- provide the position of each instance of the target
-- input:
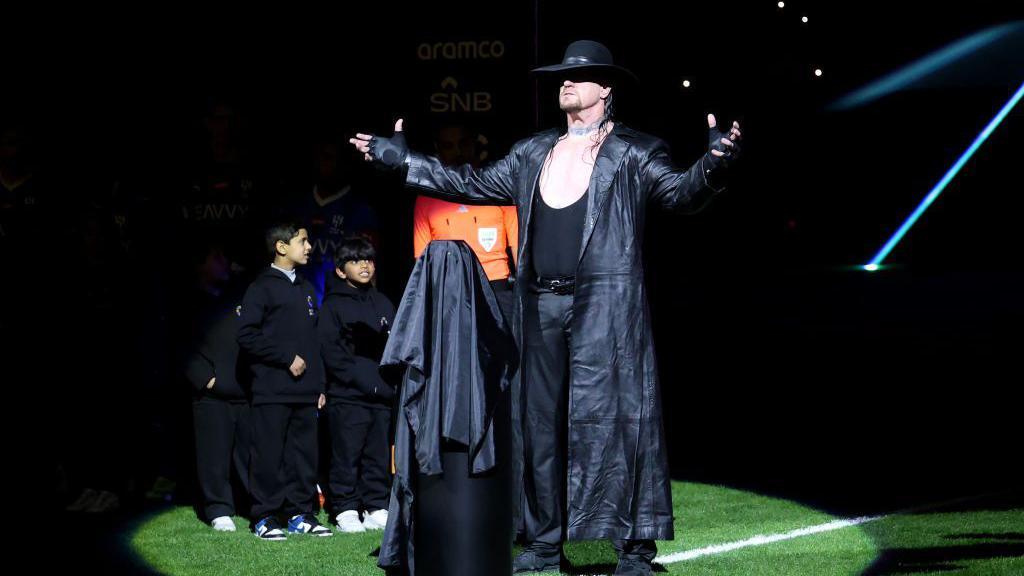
(589, 57)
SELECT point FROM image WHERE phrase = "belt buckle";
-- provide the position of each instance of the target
(562, 287)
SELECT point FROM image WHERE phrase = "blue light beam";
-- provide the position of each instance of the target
(909, 223)
(963, 55)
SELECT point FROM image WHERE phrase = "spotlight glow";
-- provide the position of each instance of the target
(804, 19)
(817, 72)
(686, 83)
(950, 174)
(782, 4)
(925, 71)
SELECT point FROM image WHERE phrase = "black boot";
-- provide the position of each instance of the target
(631, 566)
(534, 559)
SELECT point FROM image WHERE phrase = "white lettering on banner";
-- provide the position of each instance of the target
(324, 247)
(217, 211)
(487, 237)
(461, 50)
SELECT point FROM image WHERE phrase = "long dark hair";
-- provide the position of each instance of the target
(602, 127)
(609, 110)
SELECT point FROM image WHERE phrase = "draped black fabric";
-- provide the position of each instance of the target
(459, 357)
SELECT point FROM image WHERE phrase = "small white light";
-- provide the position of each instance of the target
(804, 19)
(871, 267)
(686, 83)
(782, 4)
(817, 71)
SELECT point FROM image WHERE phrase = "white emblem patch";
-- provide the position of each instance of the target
(487, 237)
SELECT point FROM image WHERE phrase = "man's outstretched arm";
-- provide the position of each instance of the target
(689, 190)
(492, 184)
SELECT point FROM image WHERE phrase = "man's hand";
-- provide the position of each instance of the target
(210, 384)
(298, 366)
(389, 152)
(724, 146)
(320, 402)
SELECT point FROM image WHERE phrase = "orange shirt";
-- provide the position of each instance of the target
(487, 229)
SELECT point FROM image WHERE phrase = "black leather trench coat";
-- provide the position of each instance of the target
(618, 478)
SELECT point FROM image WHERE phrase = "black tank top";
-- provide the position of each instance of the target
(557, 233)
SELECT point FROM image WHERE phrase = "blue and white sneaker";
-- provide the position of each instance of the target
(269, 529)
(308, 524)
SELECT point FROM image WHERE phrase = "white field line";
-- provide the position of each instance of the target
(761, 540)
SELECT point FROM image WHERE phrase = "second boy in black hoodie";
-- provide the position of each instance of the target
(353, 330)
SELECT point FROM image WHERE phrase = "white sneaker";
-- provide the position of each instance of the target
(105, 502)
(376, 520)
(348, 521)
(223, 524)
(86, 499)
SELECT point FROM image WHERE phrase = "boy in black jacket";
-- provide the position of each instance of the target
(353, 329)
(277, 335)
(220, 408)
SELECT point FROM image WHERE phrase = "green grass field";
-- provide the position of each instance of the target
(976, 540)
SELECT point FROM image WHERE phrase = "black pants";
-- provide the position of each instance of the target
(222, 455)
(282, 466)
(547, 335)
(504, 295)
(360, 457)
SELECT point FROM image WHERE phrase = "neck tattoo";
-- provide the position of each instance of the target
(583, 130)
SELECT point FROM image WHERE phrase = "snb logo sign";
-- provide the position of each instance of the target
(451, 100)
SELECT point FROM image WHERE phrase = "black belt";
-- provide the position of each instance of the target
(560, 285)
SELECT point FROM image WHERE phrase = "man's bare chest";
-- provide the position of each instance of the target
(566, 173)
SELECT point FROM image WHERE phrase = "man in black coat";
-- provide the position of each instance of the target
(589, 408)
